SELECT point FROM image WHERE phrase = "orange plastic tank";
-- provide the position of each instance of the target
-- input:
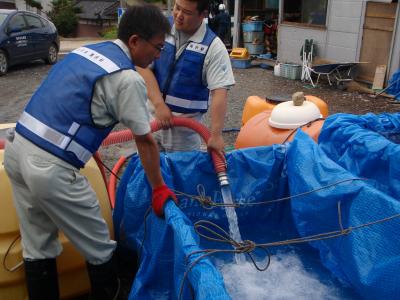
(255, 104)
(258, 132)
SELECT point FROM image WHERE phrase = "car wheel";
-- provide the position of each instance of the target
(3, 63)
(52, 55)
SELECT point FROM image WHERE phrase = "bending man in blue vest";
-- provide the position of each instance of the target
(192, 73)
(64, 123)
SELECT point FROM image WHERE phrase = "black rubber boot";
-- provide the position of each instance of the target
(127, 267)
(41, 279)
(105, 284)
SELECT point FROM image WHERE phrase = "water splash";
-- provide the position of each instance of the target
(233, 222)
(286, 278)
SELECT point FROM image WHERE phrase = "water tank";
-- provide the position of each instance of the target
(72, 275)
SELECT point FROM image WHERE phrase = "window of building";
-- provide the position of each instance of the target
(305, 11)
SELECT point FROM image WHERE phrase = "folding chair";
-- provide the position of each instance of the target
(307, 52)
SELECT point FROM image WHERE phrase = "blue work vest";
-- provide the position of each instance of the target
(58, 117)
(180, 81)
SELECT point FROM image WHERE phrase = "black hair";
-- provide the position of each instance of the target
(202, 5)
(145, 20)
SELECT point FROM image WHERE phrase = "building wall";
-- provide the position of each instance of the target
(21, 5)
(86, 29)
(345, 21)
(340, 41)
(7, 4)
(291, 39)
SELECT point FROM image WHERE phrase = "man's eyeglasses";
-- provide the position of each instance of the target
(157, 47)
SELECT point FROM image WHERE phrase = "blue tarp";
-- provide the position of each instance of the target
(366, 259)
(394, 85)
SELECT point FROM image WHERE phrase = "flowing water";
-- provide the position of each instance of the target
(286, 278)
(233, 222)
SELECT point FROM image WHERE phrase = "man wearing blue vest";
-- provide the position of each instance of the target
(63, 124)
(192, 73)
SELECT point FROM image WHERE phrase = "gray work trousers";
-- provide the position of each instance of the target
(51, 195)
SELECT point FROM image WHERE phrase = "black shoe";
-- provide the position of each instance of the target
(127, 267)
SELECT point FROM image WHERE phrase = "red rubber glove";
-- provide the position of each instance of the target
(161, 195)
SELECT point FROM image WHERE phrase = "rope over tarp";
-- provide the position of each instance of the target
(365, 259)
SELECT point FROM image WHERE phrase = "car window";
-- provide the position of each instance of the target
(33, 22)
(17, 23)
(45, 22)
(2, 18)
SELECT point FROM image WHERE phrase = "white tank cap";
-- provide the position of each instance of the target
(295, 113)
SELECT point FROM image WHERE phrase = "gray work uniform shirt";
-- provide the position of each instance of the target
(51, 195)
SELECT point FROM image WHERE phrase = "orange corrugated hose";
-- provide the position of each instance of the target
(126, 135)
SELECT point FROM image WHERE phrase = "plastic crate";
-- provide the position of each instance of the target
(241, 53)
(252, 26)
(290, 71)
(240, 63)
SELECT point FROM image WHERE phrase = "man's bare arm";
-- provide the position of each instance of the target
(162, 111)
(218, 111)
(150, 158)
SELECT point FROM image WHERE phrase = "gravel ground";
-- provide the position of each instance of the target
(21, 81)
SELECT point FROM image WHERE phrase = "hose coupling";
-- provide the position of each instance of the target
(223, 179)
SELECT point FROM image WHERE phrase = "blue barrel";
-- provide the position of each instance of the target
(254, 48)
(252, 26)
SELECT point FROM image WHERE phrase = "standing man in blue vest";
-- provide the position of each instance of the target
(192, 74)
(64, 123)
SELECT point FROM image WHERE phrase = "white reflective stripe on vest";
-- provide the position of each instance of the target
(97, 58)
(54, 137)
(81, 153)
(184, 103)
